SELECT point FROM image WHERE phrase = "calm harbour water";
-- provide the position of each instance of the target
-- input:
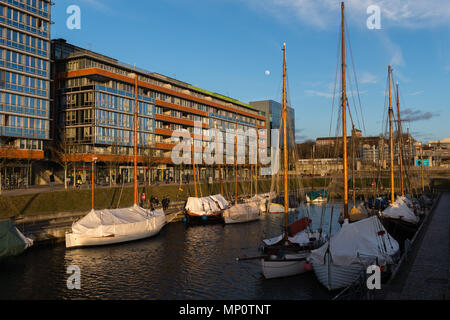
(179, 263)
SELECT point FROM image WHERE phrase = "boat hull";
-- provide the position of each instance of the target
(147, 229)
(76, 241)
(289, 265)
(195, 218)
(316, 200)
(335, 277)
(278, 208)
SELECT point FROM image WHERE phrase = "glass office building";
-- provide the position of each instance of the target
(272, 111)
(24, 84)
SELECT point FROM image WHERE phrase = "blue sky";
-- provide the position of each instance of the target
(227, 46)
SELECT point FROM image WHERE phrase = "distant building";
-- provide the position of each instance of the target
(444, 143)
(272, 110)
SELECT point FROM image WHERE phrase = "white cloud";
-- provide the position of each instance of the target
(329, 94)
(98, 4)
(367, 77)
(326, 13)
(319, 93)
(416, 93)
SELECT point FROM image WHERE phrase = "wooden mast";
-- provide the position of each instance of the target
(193, 167)
(135, 137)
(220, 166)
(93, 182)
(400, 154)
(313, 159)
(344, 117)
(353, 166)
(391, 140)
(421, 167)
(256, 165)
(286, 195)
(235, 165)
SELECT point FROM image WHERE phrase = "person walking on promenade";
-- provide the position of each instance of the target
(52, 180)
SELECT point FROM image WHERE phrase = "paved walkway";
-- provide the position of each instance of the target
(427, 277)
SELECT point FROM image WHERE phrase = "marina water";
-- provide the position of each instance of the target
(197, 262)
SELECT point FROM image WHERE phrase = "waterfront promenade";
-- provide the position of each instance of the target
(426, 273)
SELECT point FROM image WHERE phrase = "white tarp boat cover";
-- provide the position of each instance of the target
(400, 210)
(221, 201)
(358, 243)
(206, 205)
(124, 221)
(300, 238)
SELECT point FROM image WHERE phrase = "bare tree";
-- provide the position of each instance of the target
(61, 152)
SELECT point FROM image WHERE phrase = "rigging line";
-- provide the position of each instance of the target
(385, 119)
(354, 104)
(335, 81)
(350, 114)
(356, 79)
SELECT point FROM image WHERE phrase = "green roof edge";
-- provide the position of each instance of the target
(217, 95)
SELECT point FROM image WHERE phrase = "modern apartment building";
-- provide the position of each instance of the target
(24, 87)
(95, 101)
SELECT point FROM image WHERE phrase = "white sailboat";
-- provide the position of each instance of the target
(341, 261)
(286, 255)
(399, 217)
(110, 226)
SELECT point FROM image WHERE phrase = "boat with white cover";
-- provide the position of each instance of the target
(401, 210)
(110, 226)
(206, 208)
(340, 262)
(400, 220)
(242, 212)
(260, 200)
(12, 241)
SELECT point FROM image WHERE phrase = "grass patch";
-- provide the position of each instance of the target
(80, 200)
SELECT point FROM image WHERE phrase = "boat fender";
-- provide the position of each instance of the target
(308, 266)
(204, 217)
(184, 220)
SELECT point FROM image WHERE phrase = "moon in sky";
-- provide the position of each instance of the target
(267, 72)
